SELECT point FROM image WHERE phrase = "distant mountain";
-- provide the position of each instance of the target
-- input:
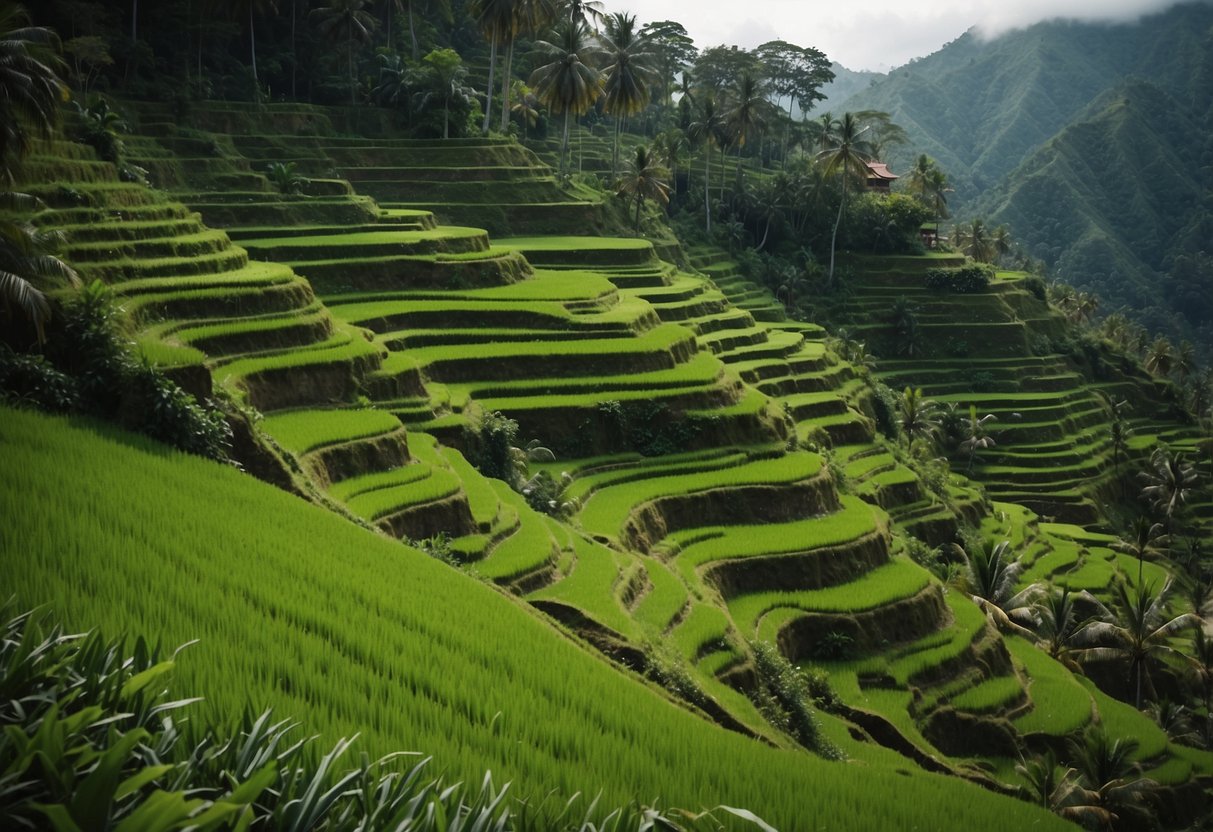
(1090, 140)
(847, 82)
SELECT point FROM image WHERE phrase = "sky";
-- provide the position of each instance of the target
(872, 34)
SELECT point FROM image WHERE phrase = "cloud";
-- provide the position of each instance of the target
(875, 34)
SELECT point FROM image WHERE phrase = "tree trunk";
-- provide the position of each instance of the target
(350, 58)
(707, 190)
(765, 232)
(505, 88)
(564, 145)
(639, 201)
(488, 93)
(413, 34)
(388, 28)
(134, 20)
(252, 45)
(294, 56)
(834, 239)
(615, 150)
(446, 118)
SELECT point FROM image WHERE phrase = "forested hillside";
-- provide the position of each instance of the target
(1091, 141)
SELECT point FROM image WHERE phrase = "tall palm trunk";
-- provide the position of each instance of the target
(564, 145)
(505, 88)
(639, 202)
(349, 53)
(834, 239)
(252, 45)
(488, 93)
(294, 56)
(413, 35)
(615, 149)
(707, 190)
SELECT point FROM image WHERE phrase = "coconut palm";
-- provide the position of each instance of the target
(1051, 786)
(670, 145)
(589, 12)
(1160, 357)
(747, 117)
(496, 21)
(905, 325)
(847, 154)
(1145, 538)
(977, 435)
(645, 178)
(707, 130)
(1119, 432)
(1200, 672)
(349, 21)
(30, 88)
(529, 17)
(917, 416)
(1185, 361)
(1061, 625)
(28, 266)
(990, 576)
(525, 106)
(1141, 634)
(1168, 480)
(628, 73)
(1105, 768)
(247, 10)
(975, 240)
(567, 82)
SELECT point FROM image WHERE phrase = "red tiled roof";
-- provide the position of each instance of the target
(879, 170)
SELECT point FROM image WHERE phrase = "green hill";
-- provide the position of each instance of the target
(1089, 140)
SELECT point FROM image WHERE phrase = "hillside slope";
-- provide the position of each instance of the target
(351, 633)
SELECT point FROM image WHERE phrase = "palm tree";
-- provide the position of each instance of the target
(1060, 626)
(351, 20)
(1200, 669)
(919, 416)
(568, 82)
(975, 241)
(529, 16)
(28, 265)
(1185, 361)
(247, 9)
(905, 325)
(708, 130)
(445, 79)
(990, 575)
(670, 145)
(496, 20)
(1105, 768)
(525, 106)
(977, 435)
(30, 89)
(1000, 242)
(847, 154)
(408, 6)
(627, 72)
(1057, 789)
(1142, 633)
(1168, 481)
(1119, 433)
(1160, 357)
(746, 118)
(1143, 540)
(644, 178)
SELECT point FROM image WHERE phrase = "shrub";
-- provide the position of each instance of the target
(31, 380)
(968, 279)
(1036, 287)
(785, 697)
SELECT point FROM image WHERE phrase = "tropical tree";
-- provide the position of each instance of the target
(443, 7)
(627, 62)
(1168, 480)
(977, 435)
(1119, 432)
(670, 145)
(1051, 786)
(905, 325)
(990, 575)
(30, 88)
(247, 10)
(567, 82)
(1144, 539)
(707, 130)
(497, 21)
(1115, 788)
(1160, 357)
(529, 17)
(918, 416)
(28, 265)
(1200, 672)
(349, 21)
(1060, 624)
(284, 177)
(847, 155)
(644, 178)
(1141, 634)
(445, 80)
(747, 118)
(525, 106)
(974, 240)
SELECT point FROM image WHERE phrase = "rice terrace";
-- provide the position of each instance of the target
(532, 415)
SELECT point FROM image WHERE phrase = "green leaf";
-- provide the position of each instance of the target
(136, 782)
(141, 680)
(59, 817)
(96, 793)
(250, 789)
(160, 812)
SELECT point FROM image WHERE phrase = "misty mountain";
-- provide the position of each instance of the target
(1091, 141)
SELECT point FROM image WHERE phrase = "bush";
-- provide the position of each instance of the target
(785, 696)
(31, 380)
(968, 279)
(1036, 287)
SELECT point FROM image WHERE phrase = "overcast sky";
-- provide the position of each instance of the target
(869, 34)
